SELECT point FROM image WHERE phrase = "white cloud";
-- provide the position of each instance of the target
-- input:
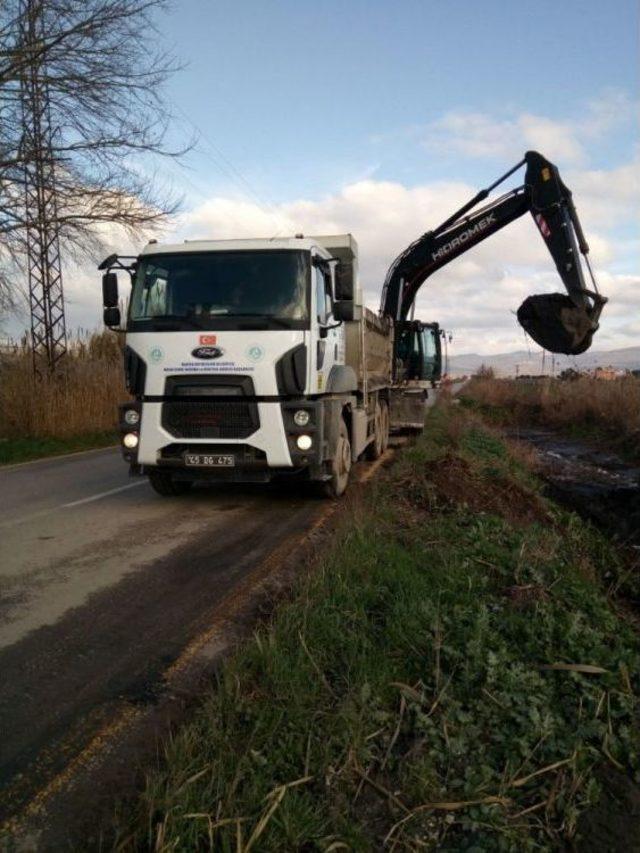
(479, 135)
(507, 136)
(607, 197)
(607, 112)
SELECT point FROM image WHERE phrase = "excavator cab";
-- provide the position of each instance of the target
(417, 368)
(418, 352)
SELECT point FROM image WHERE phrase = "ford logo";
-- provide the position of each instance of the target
(207, 352)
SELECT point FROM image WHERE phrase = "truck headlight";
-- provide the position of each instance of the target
(130, 440)
(304, 442)
(301, 417)
(132, 417)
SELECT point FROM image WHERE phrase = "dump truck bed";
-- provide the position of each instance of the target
(369, 351)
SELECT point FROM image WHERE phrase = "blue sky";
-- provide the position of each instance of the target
(303, 96)
(380, 118)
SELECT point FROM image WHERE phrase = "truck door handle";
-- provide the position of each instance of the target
(335, 352)
(320, 354)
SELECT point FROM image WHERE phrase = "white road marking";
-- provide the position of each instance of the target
(90, 499)
(102, 495)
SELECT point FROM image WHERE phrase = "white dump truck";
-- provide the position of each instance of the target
(250, 359)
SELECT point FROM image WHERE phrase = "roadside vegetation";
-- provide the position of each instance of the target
(593, 407)
(74, 410)
(451, 674)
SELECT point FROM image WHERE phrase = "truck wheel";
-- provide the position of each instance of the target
(386, 425)
(374, 450)
(165, 485)
(340, 465)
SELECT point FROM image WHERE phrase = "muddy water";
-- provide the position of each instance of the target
(596, 484)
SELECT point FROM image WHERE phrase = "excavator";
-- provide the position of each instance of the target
(558, 322)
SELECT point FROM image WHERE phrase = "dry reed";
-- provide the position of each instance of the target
(82, 396)
(613, 405)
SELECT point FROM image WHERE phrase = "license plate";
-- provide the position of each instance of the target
(209, 460)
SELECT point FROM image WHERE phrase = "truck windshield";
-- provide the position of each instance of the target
(222, 290)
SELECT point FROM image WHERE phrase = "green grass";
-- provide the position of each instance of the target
(404, 692)
(25, 449)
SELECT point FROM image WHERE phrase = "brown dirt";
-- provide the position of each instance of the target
(455, 482)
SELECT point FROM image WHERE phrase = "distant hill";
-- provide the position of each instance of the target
(523, 361)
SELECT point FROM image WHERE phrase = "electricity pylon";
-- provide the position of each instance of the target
(46, 298)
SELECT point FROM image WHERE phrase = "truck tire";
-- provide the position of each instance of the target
(375, 448)
(340, 465)
(386, 425)
(164, 484)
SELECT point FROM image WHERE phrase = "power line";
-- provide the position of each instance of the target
(226, 167)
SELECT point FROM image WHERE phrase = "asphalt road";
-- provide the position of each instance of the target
(103, 584)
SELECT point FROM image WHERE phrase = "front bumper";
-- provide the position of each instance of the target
(268, 451)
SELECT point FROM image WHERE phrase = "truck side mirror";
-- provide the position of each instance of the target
(111, 317)
(345, 310)
(110, 290)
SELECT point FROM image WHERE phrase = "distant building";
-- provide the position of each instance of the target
(608, 373)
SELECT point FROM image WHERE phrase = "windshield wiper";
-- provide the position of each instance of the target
(175, 320)
(267, 318)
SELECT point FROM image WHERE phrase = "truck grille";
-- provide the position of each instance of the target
(195, 416)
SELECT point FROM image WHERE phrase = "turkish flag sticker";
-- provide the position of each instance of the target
(208, 340)
(542, 225)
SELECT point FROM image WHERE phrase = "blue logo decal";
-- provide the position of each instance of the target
(255, 352)
(156, 354)
(207, 352)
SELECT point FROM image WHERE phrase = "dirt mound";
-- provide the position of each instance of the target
(454, 481)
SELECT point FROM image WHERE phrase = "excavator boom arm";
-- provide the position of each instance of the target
(558, 322)
(437, 248)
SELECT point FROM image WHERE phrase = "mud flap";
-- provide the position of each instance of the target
(557, 324)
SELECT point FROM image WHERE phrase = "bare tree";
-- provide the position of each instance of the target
(104, 73)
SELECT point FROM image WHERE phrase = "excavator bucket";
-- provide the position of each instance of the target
(557, 324)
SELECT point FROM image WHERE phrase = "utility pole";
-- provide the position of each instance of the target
(443, 335)
(46, 298)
